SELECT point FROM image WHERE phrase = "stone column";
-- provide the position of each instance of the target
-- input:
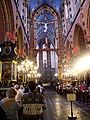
(48, 59)
(40, 60)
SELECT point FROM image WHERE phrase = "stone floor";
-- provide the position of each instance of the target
(58, 108)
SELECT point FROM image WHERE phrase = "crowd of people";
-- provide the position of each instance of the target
(81, 90)
(23, 103)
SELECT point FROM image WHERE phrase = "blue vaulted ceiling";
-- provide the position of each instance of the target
(45, 21)
(35, 4)
(45, 28)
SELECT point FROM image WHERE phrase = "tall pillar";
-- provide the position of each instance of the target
(48, 65)
(48, 59)
(40, 60)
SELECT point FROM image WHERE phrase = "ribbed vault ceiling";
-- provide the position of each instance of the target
(35, 4)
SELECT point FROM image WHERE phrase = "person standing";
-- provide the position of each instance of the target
(33, 103)
(19, 93)
(9, 105)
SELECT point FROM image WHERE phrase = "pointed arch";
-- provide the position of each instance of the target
(6, 18)
(78, 39)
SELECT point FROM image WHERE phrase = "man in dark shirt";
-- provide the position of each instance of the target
(33, 103)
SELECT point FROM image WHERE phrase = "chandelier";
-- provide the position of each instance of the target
(29, 69)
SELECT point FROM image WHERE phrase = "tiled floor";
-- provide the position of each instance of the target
(58, 108)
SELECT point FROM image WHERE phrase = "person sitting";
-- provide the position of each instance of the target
(9, 105)
(33, 103)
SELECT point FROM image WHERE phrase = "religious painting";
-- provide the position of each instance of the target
(6, 71)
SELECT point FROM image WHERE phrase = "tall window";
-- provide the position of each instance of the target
(66, 11)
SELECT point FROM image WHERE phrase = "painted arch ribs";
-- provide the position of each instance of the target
(10, 13)
(6, 18)
(3, 24)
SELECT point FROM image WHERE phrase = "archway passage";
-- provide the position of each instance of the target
(79, 40)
